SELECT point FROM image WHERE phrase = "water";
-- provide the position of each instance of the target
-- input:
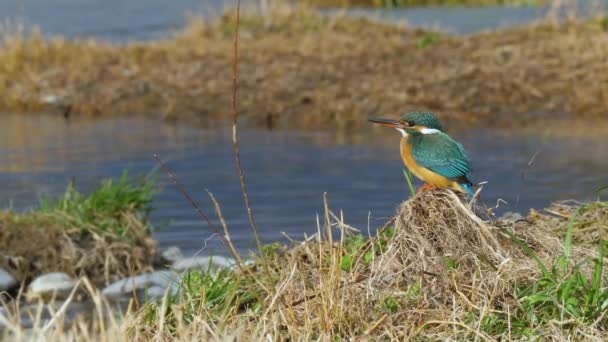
(456, 20)
(116, 20)
(464, 20)
(124, 20)
(287, 172)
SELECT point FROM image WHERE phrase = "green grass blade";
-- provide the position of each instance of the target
(596, 284)
(410, 182)
(601, 189)
(568, 240)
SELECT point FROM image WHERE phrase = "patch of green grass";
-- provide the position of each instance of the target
(352, 246)
(604, 24)
(451, 263)
(246, 23)
(391, 305)
(355, 245)
(429, 38)
(202, 290)
(500, 323)
(105, 207)
(565, 292)
(408, 298)
(206, 294)
(570, 293)
(273, 249)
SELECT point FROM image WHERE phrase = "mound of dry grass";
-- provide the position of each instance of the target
(300, 69)
(36, 244)
(439, 273)
(442, 267)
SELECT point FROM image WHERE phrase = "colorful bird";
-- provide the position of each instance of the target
(430, 154)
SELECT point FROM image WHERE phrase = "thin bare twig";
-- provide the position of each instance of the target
(220, 215)
(235, 139)
(199, 211)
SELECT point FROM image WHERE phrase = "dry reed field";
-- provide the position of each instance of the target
(299, 69)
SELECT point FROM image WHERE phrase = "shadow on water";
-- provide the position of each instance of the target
(287, 171)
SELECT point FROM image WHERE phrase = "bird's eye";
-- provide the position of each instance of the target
(410, 123)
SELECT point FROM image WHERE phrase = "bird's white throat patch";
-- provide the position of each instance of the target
(429, 131)
(403, 132)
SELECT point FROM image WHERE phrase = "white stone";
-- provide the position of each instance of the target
(50, 98)
(156, 282)
(511, 216)
(57, 283)
(203, 263)
(6, 280)
(156, 292)
(172, 254)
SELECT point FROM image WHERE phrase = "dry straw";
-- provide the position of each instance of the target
(442, 273)
(41, 243)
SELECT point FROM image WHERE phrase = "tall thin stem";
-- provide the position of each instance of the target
(235, 139)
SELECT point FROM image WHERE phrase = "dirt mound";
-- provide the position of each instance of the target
(441, 270)
(440, 240)
(33, 244)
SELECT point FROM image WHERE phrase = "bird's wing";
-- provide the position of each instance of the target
(443, 155)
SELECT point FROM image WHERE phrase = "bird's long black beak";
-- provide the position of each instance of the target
(385, 122)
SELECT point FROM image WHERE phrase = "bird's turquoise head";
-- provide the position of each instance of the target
(413, 122)
(422, 120)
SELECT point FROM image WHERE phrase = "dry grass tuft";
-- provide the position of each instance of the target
(590, 227)
(39, 243)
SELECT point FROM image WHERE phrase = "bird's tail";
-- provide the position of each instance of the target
(468, 188)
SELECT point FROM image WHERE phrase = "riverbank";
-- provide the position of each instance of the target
(436, 271)
(298, 69)
(420, 3)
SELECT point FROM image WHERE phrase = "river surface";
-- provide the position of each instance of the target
(124, 20)
(287, 171)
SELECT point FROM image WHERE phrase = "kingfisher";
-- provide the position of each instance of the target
(429, 153)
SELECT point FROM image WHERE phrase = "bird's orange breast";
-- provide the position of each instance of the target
(423, 173)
